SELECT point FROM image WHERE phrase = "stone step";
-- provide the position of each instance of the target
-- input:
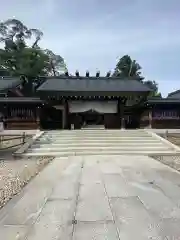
(98, 133)
(87, 143)
(98, 148)
(96, 138)
(97, 141)
(96, 129)
(89, 153)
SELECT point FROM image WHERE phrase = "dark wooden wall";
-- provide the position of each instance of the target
(20, 116)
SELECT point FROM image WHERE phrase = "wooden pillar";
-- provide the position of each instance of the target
(66, 113)
(119, 111)
(64, 116)
(38, 112)
(122, 117)
(150, 118)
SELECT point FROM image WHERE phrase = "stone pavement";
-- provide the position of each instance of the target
(96, 198)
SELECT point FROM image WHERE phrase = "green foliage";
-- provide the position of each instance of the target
(57, 65)
(154, 86)
(17, 58)
(127, 68)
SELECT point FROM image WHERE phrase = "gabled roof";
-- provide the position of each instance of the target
(163, 101)
(175, 94)
(20, 100)
(9, 83)
(79, 85)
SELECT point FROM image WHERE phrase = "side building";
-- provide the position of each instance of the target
(75, 102)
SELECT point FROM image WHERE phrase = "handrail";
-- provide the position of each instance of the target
(2, 139)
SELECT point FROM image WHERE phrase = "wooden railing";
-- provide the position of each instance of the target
(8, 141)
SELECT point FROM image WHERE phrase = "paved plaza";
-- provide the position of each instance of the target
(96, 197)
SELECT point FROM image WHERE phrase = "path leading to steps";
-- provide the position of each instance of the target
(96, 197)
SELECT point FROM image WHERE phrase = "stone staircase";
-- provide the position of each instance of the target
(99, 142)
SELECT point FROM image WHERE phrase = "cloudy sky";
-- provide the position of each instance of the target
(93, 34)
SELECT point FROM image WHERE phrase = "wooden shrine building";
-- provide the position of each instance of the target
(67, 102)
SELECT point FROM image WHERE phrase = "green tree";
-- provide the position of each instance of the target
(154, 86)
(18, 58)
(127, 68)
(57, 64)
(14, 33)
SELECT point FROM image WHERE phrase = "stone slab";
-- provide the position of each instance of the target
(132, 219)
(170, 189)
(65, 189)
(26, 210)
(93, 204)
(50, 232)
(169, 229)
(116, 186)
(96, 231)
(13, 232)
(90, 176)
(156, 201)
(109, 167)
(55, 221)
(87, 190)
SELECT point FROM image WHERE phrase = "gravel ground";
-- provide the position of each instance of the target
(175, 139)
(15, 174)
(173, 160)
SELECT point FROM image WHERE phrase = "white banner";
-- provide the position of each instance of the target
(100, 107)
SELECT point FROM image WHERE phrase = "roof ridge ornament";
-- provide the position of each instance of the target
(98, 74)
(87, 73)
(77, 73)
(67, 74)
(108, 74)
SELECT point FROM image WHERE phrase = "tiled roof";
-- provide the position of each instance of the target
(175, 94)
(72, 86)
(20, 99)
(164, 100)
(9, 82)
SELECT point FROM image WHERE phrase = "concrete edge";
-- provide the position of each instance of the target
(176, 148)
(28, 144)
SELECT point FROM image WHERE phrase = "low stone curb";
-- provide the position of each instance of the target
(172, 160)
(15, 185)
(165, 141)
(23, 148)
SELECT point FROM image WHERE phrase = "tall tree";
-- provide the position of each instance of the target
(14, 31)
(128, 68)
(17, 58)
(154, 86)
(56, 63)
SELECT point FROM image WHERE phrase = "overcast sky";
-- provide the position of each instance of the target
(94, 34)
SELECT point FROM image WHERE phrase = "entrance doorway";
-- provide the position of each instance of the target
(132, 121)
(51, 118)
(92, 118)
